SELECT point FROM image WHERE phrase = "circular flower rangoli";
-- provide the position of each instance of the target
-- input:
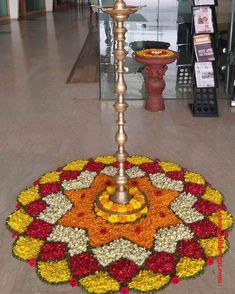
(59, 229)
(159, 53)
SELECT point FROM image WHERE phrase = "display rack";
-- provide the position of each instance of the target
(184, 42)
(204, 58)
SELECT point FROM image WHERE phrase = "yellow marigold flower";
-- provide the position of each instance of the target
(99, 212)
(29, 195)
(111, 189)
(19, 220)
(76, 165)
(122, 208)
(214, 246)
(137, 160)
(106, 159)
(50, 178)
(113, 219)
(131, 217)
(136, 204)
(213, 196)
(27, 247)
(169, 166)
(54, 271)
(108, 205)
(188, 267)
(144, 211)
(153, 53)
(100, 283)
(226, 218)
(194, 178)
(148, 281)
(133, 190)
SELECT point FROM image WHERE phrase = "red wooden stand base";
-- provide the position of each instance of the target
(155, 70)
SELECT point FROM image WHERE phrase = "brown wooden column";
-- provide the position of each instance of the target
(23, 8)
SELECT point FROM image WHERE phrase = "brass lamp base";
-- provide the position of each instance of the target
(112, 212)
(136, 206)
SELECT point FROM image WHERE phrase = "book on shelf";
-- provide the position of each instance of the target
(204, 73)
(203, 20)
(204, 2)
(233, 96)
(203, 48)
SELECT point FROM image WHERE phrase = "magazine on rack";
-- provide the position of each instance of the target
(204, 2)
(203, 20)
(203, 48)
(204, 73)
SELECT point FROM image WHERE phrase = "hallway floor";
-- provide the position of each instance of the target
(46, 123)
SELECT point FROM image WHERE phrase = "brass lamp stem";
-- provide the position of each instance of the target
(120, 13)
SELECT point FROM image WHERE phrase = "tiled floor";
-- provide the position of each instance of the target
(45, 123)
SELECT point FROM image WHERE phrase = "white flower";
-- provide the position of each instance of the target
(120, 248)
(135, 172)
(83, 181)
(162, 182)
(58, 206)
(166, 239)
(109, 171)
(182, 207)
(74, 237)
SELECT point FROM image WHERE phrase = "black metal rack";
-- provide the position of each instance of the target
(205, 98)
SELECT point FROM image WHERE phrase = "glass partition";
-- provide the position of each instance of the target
(35, 5)
(3, 8)
(156, 22)
(162, 20)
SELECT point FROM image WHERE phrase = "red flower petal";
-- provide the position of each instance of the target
(226, 234)
(32, 262)
(124, 290)
(54, 250)
(73, 282)
(190, 248)
(47, 189)
(84, 264)
(108, 183)
(81, 214)
(138, 230)
(39, 229)
(204, 229)
(210, 261)
(103, 231)
(151, 167)
(158, 193)
(15, 235)
(68, 175)
(175, 280)
(205, 207)
(175, 175)
(94, 166)
(18, 206)
(36, 207)
(224, 206)
(36, 183)
(162, 214)
(161, 262)
(83, 196)
(134, 183)
(194, 189)
(123, 270)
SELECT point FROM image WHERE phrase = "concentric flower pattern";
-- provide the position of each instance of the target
(59, 230)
